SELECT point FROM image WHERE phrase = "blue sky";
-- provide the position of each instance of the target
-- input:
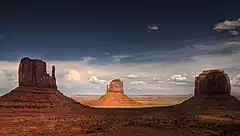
(92, 42)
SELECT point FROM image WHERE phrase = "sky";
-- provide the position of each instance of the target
(92, 42)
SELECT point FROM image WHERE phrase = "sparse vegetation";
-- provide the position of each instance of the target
(52, 125)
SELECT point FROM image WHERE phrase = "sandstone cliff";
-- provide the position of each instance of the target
(37, 91)
(212, 82)
(212, 91)
(115, 85)
(33, 73)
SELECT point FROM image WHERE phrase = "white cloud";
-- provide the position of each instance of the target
(158, 81)
(95, 80)
(236, 80)
(137, 82)
(227, 25)
(89, 59)
(182, 83)
(232, 26)
(7, 78)
(234, 32)
(153, 27)
(182, 80)
(118, 58)
(73, 75)
(132, 76)
(107, 53)
(154, 79)
(177, 78)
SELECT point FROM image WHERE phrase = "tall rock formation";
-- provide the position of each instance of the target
(212, 82)
(33, 73)
(37, 91)
(116, 85)
(212, 91)
(115, 97)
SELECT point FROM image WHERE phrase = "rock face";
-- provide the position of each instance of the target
(115, 97)
(33, 73)
(212, 91)
(37, 91)
(212, 82)
(116, 85)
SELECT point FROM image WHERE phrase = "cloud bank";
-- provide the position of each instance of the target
(169, 77)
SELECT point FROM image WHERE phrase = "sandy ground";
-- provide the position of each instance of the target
(102, 125)
(165, 121)
(127, 122)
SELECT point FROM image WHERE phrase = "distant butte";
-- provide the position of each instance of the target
(37, 91)
(212, 90)
(116, 86)
(212, 82)
(115, 97)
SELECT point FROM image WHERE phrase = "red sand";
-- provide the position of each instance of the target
(115, 99)
(31, 99)
(210, 117)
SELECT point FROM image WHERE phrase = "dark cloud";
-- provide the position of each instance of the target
(187, 53)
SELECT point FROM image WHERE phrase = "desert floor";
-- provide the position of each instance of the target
(161, 121)
(128, 123)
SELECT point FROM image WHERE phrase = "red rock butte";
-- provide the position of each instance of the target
(115, 97)
(33, 73)
(116, 86)
(212, 90)
(212, 82)
(37, 91)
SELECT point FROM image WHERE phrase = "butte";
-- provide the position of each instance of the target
(115, 97)
(37, 91)
(212, 91)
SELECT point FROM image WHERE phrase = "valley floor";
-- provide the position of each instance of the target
(127, 122)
